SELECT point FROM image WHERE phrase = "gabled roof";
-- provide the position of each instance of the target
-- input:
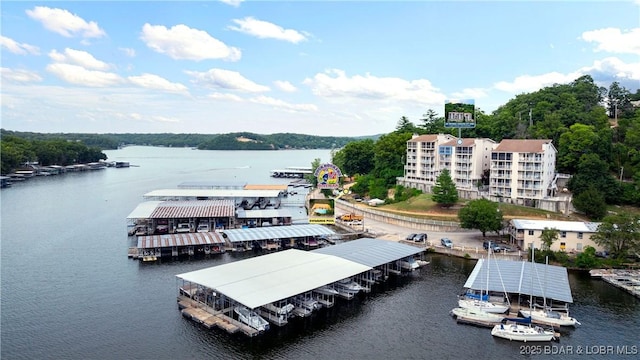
(521, 277)
(193, 209)
(169, 240)
(370, 252)
(572, 226)
(264, 279)
(425, 138)
(522, 145)
(276, 232)
(466, 142)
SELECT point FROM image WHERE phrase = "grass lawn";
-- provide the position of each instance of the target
(422, 206)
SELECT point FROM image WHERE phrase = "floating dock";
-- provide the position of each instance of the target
(627, 280)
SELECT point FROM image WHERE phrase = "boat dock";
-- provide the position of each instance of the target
(286, 284)
(627, 280)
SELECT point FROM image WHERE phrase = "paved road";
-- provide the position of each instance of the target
(382, 230)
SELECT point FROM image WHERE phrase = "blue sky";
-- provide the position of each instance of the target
(339, 68)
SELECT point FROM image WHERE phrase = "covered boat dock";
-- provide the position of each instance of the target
(277, 237)
(522, 281)
(269, 284)
(152, 247)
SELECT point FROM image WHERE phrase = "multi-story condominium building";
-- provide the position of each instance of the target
(428, 155)
(573, 236)
(522, 171)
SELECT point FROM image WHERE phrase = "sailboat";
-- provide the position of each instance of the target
(475, 315)
(521, 330)
(481, 303)
(548, 315)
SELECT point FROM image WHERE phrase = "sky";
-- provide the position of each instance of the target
(328, 68)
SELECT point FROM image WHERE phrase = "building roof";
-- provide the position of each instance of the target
(522, 145)
(276, 232)
(521, 277)
(424, 138)
(169, 240)
(144, 210)
(466, 142)
(211, 193)
(570, 226)
(194, 209)
(264, 279)
(370, 252)
(282, 187)
(261, 214)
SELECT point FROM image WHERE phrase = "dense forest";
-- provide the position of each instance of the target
(595, 130)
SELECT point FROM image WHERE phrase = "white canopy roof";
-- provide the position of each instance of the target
(210, 193)
(264, 279)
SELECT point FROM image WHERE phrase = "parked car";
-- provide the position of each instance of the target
(446, 242)
(410, 237)
(421, 237)
(494, 247)
(183, 228)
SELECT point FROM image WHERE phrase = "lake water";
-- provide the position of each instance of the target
(70, 292)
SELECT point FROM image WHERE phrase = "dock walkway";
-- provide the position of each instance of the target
(627, 280)
(211, 318)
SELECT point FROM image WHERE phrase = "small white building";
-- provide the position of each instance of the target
(573, 236)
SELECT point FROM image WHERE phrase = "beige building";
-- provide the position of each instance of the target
(573, 236)
(428, 155)
(523, 171)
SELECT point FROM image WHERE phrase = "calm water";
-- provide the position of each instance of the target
(70, 292)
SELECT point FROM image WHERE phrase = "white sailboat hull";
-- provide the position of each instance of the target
(476, 315)
(483, 306)
(524, 333)
(549, 318)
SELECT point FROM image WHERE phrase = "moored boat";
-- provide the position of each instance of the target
(521, 330)
(474, 315)
(551, 317)
(251, 318)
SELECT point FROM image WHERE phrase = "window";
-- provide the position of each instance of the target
(563, 246)
(579, 246)
(579, 235)
(563, 234)
(531, 232)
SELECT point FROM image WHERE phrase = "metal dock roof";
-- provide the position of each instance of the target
(185, 239)
(521, 277)
(144, 210)
(370, 252)
(264, 279)
(266, 213)
(194, 208)
(276, 232)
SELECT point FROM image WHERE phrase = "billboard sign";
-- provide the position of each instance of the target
(328, 176)
(459, 114)
(322, 211)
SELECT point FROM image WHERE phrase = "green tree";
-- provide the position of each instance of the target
(444, 191)
(482, 215)
(548, 237)
(594, 172)
(580, 139)
(591, 202)
(311, 178)
(390, 150)
(404, 125)
(619, 234)
(431, 123)
(587, 258)
(358, 157)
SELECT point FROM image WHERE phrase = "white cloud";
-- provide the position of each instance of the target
(614, 68)
(614, 41)
(65, 23)
(78, 57)
(335, 84)
(20, 76)
(181, 42)
(17, 48)
(530, 83)
(226, 96)
(151, 81)
(285, 86)
(226, 79)
(128, 51)
(471, 93)
(266, 30)
(280, 104)
(78, 75)
(234, 3)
